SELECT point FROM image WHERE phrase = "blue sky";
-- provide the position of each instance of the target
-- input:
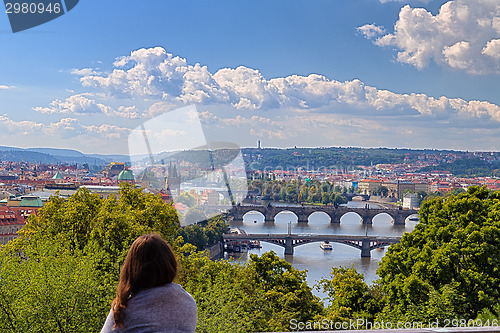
(369, 73)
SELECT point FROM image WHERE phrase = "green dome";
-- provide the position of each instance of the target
(126, 175)
(31, 201)
(58, 176)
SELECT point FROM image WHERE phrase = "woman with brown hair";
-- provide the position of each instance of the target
(146, 298)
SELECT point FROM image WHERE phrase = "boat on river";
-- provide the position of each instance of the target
(254, 244)
(326, 246)
(237, 246)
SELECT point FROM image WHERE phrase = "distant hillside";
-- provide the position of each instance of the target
(330, 157)
(57, 152)
(472, 167)
(27, 156)
(56, 155)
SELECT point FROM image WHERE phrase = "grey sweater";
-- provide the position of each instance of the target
(165, 309)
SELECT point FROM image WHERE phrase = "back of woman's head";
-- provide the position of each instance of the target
(150, 262)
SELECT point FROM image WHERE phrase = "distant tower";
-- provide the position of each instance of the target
(258, 145)
(173, 180)
(22, 176)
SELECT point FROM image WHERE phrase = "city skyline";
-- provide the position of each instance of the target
(396, 74)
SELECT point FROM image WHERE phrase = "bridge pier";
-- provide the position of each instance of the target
(367, 219)
(365, 249)
(288, 246)
(268, 217)
(302, 218)
(334, 218)
(399, 219)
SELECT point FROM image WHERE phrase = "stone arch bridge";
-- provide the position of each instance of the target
(289, 241)
(335, 213)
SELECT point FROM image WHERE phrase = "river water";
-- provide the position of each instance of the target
(311, 257)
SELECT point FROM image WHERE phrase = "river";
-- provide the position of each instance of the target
(310, 257)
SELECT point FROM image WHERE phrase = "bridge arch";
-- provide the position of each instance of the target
(319, 217)
(247, 216)
(285, 212)
(378, 219)
(350, 218)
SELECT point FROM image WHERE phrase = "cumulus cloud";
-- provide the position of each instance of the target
(492, 49)
(76, 104)
(371, 30)
(107, 131)
(24, 127)
(5, 87)
(168, 81)
(80, 104)
(84, 71)
(65, 128)
(463, 35)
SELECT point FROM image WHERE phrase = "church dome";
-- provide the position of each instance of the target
(58, 176)
(126, 175)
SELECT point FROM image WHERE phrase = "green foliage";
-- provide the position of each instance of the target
(194, 215)
(381, 191)
(349, 296)
(51, 292)
(61, 274)
(487, 315)
(311, 191)
(285, 293)
(187, 199)
(449, 265)
(468, 167)
(228, 301)
(203, 236)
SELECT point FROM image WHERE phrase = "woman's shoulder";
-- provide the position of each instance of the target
(171, 291)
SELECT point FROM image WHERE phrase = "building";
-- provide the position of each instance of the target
(173, 181)
(126, 176)
(13, 219)
(368, 186)
(410, 201)
(113, 169)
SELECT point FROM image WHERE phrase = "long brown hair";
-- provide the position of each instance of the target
(150, 262)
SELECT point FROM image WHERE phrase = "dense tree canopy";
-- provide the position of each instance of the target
(61, 274)
(450, 264)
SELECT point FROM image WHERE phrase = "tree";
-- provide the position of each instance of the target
(60, 275)
(325, 198)
(186, 199)
(194, 215)
(349, 296)
(286, 294)
(381, 191)
(449, 264)
(228, 300)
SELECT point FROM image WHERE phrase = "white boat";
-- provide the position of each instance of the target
(326, 246)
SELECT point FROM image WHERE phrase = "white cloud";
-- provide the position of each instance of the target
(5, 87)
(65, 128)
(80, 104)
(168, 82)
(492, 49)
(131, 112)
(84, 71)
(75, 104)
(107, 131)
(371, 30)
(463, 35)
(24, 127)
